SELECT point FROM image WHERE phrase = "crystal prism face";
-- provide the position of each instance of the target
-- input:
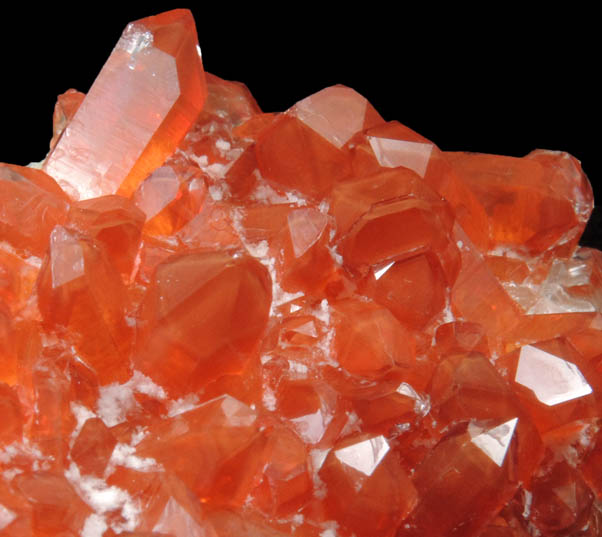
(66, 258)
(208, 309)
(143, 102)
(220, 322)
(32, 204)
(551, 198)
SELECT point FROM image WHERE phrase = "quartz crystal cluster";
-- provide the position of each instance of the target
(219, 322)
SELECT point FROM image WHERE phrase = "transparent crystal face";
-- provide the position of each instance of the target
(494, 442)
(552, 379)
(364, 456)
(217, 321)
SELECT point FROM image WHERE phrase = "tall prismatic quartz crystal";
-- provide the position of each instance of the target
(143, 102)
(221, 322)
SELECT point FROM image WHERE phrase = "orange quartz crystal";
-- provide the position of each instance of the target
(143, 102)
(216, 322)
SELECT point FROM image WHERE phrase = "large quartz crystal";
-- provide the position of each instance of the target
(219, 322)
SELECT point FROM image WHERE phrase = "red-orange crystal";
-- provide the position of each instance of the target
(216, 322)
(143, 102)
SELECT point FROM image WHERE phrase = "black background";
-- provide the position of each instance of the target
(497, 82)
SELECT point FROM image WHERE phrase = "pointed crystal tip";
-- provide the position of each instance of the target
(144, 100)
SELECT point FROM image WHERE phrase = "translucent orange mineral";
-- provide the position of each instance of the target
(143, 102)
(219, 322)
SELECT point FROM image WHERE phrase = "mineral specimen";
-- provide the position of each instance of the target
(219, 322)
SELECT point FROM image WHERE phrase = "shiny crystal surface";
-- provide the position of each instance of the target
(141, 105)
(218, 322)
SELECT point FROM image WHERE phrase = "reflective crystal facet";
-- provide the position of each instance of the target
(141, 105)
(219, 322)
(552, 379)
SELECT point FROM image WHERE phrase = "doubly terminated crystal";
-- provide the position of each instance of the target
(218, 322)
